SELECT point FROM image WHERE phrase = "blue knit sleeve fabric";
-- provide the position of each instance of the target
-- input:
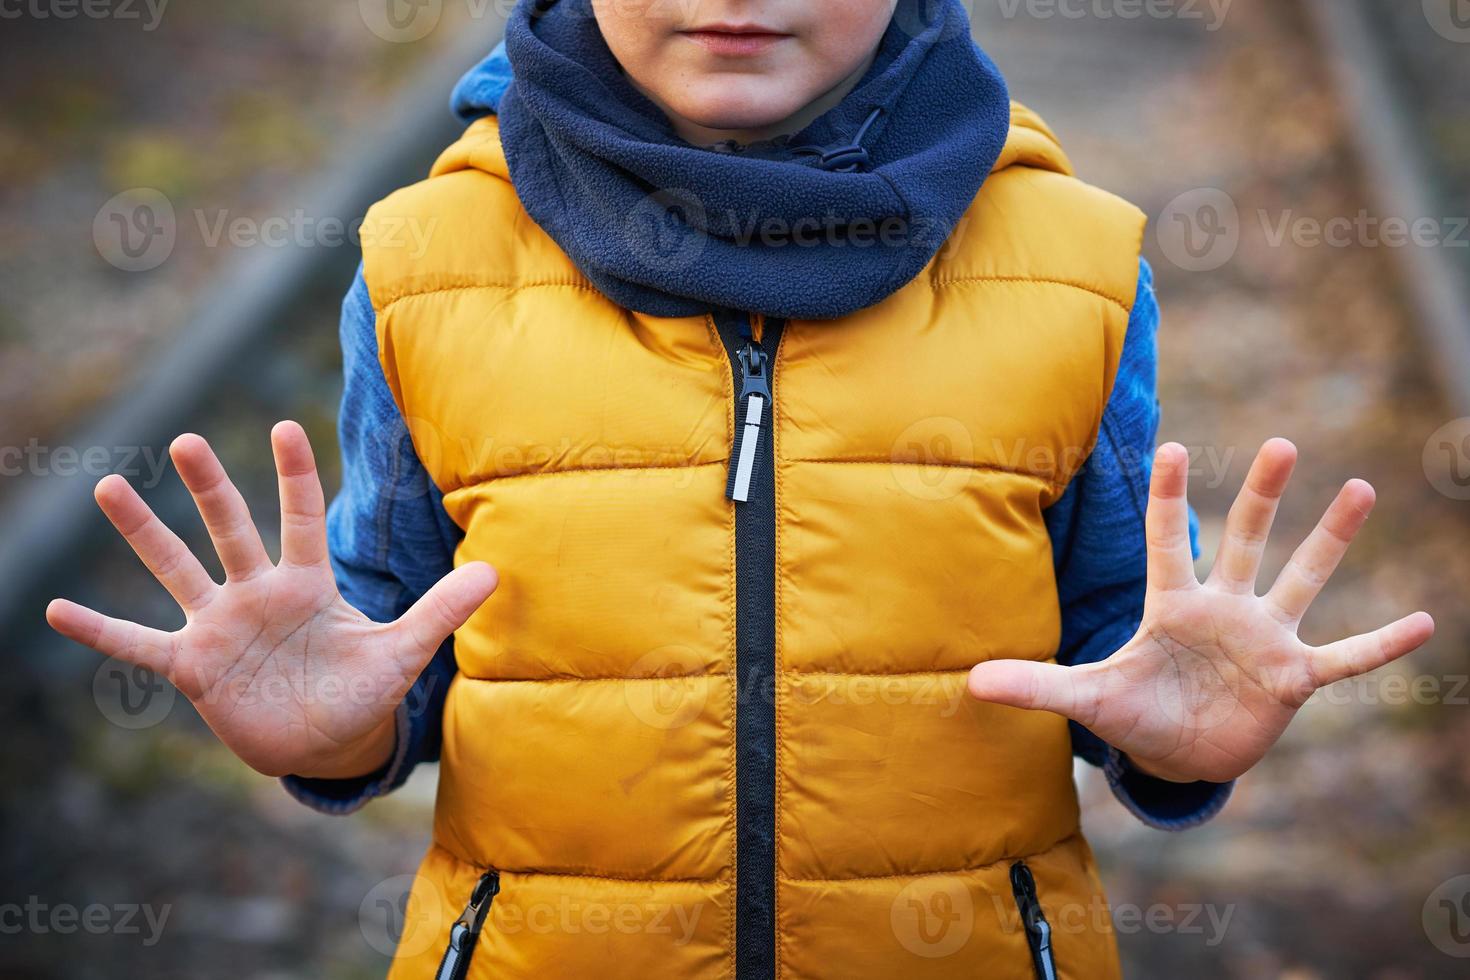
(1097, 533)
(390, 540)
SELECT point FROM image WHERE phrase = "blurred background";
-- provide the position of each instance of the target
(176, 215)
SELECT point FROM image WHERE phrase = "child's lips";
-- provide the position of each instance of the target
(735, 43)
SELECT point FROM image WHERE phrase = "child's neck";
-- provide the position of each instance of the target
(698, 135)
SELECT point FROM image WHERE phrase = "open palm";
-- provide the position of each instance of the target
(1215, 673)
(291, 677)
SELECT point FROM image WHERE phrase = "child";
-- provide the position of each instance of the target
(787, 374)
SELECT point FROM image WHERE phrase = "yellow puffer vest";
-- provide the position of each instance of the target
(697, 738)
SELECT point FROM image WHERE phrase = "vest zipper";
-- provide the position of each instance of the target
(1038, 930)
(755, 394)
(466, 931)
(752, 486)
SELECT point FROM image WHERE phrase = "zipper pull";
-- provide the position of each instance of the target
(466, 931)
(755, 395)
(1038, 930)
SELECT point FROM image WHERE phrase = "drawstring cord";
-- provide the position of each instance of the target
(843, 159)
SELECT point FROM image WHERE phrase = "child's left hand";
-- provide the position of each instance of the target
(1215, 673)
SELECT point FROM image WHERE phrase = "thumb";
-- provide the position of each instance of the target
(446, 607)
(1066, 691)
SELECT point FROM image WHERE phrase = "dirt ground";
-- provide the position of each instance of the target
(1324, 862)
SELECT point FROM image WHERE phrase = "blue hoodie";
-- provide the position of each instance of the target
(391, 539)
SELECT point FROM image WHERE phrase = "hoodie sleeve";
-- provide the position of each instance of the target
(1097, 532)
(390, 541)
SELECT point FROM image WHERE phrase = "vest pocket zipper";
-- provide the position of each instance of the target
(466, 931)
(1038, 930)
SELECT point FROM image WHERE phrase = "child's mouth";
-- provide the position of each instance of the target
(734, 40)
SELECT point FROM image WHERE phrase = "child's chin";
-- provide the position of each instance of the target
(725, 103)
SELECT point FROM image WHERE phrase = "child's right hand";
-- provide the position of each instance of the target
(287, 674)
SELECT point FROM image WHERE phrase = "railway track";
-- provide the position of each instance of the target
(267, 350)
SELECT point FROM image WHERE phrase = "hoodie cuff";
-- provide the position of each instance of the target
(339, 797)
(1159, 803)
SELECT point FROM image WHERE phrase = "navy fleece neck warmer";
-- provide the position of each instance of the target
(828, 221)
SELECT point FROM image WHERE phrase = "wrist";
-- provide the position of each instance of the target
(362, 757)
